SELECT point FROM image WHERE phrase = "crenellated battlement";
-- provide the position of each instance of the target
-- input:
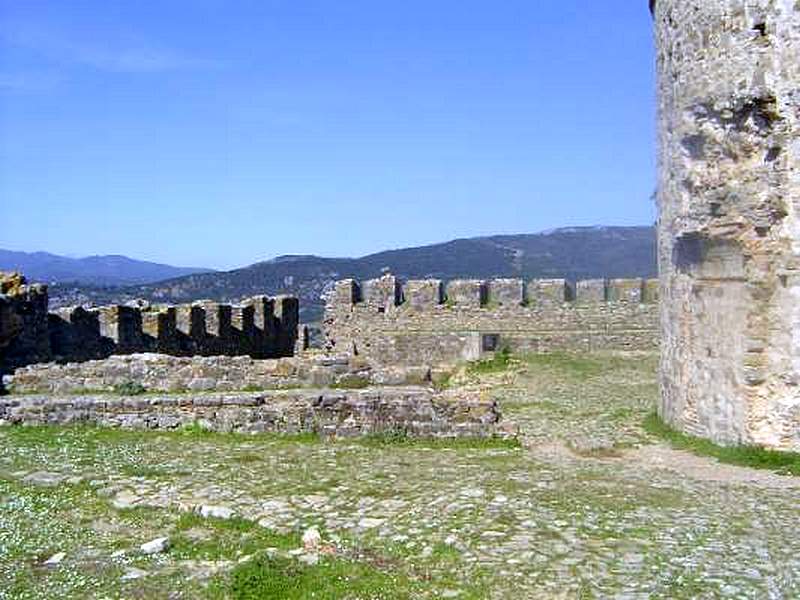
(387, 293)
(260, 327)
(432, 322)
(203, 328)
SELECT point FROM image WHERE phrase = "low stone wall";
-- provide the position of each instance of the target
(416, 411)
(424, 322)
(164, 373)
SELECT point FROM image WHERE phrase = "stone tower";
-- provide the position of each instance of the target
(729, 227)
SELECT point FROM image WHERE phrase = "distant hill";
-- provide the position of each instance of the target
(571, 253)
(111, 270)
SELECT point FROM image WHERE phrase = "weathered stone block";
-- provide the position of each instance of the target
(75, 334)
(423, 293)
(160, 330)
(263, 312)
(123, 326)
(466, 293)
(303, 340)
(590, 291)
(219, 335)
(218, 318)
(382, 294)
(346, 293)
(287, 315)
(506, 292)
(625, 290)
(190, 320)
(266, 326)
(24, 334)
(190, 323)
(243, 320)
(650, 291)
(547, 293)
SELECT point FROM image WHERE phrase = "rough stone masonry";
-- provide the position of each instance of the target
(729, 232)
(260, 327)
(426, 322)
(417, 411)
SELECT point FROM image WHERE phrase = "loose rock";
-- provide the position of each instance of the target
(55, 559)
(312, 539)
(216, 512)
(156, 546)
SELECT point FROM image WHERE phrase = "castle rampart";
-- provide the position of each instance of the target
(729, 235)
(426, 322)
(24, 332)
(260, 327)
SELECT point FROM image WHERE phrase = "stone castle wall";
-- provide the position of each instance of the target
(426, 322)
(24, 333)
(260, 327)
(418, 412)
(729, 231)
(163, 373)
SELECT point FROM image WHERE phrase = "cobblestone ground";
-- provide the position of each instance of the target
(590, 506)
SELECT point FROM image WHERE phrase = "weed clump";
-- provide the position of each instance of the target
(278, 577)
(129, 388)
(496, 364)
(351, 382)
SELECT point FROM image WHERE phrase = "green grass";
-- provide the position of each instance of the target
(146, 471)
(331, 579)
(369, 575)
(197, 430)
(351, 382)
(785, 463)
(580, 367)
(225, 538)
(89, 438)
(442, 381)
(498, 363)
(252, 387)
(402, 439)
(129, 388)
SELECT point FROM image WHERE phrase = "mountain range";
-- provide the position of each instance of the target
(109, 270)
(571, 253)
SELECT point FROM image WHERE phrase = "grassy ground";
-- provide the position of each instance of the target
(575, 513)
(787, 463)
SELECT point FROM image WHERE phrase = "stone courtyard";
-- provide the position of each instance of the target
(588, 504)
(498, 438)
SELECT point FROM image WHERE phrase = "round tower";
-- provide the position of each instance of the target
(729, 228)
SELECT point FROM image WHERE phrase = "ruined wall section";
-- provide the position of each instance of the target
(164, 373)
(729, 235)
(260, 327)
(24, 335)
(415, 411)
(426, 322)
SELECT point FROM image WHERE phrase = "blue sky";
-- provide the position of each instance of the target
(219, 133)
